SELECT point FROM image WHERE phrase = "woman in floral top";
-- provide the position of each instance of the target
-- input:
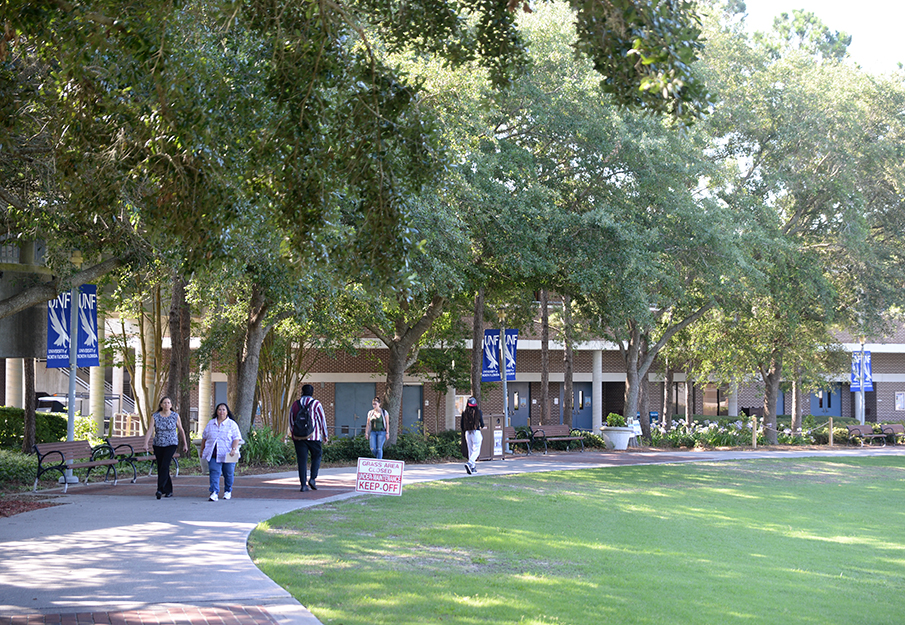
(166, 428)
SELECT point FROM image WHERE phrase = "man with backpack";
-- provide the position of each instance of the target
(308, 430)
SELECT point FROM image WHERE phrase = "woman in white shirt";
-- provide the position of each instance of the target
(221, 437)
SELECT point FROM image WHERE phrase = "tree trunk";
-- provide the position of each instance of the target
(668, 407)
(544, 359)
(568, 404)
(403, 354)
(29, 440)
(771, 378)
(477, 345)
(639, 355)
(644, 401)
(394, 386)
(249, 359)
(178, 383)
(631, 355)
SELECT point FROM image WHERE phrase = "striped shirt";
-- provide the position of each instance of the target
(320, 421)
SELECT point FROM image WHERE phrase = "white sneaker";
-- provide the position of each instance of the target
(213, 497)
(228, 494)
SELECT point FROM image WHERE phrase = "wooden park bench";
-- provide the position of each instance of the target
(896, 430)
(864, 432)
(73, 455)
(512, 437)
(131, 449)
(552, 433)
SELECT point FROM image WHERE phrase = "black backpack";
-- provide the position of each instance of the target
(303, 420)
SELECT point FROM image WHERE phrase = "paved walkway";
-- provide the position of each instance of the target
(116, 555)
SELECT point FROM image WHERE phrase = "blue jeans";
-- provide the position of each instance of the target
(228, 469)
(377, 441)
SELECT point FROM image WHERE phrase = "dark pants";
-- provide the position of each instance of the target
(164, 456)
(301, 455)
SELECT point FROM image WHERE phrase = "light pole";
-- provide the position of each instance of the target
(73, 360)
(861, 411)
(503, 375)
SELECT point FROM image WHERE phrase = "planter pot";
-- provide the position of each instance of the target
(617, 438)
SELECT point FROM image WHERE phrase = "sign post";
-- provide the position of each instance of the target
(861, 380)
(72, 340)
(500, 347)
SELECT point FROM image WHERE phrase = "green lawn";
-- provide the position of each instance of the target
(764, 541)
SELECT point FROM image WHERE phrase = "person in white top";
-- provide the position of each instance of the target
(221, 438)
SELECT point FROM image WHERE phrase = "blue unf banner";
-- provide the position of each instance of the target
(59, 313)
(856, 373)
(490, 371)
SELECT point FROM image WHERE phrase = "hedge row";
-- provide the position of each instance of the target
(48, 427)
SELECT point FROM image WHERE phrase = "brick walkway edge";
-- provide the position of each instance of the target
(188, 615)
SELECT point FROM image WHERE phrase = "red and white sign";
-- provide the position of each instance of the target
(380, 477)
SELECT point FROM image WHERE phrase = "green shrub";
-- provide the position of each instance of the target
(17, 468)
(410, 446)
(86, 430)
(347, 449)
(448, 444)
(265, 447)
(49, 427)
(614, 420)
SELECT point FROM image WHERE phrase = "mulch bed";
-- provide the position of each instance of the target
(12, 504)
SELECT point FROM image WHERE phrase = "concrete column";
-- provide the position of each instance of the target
(118, 389)
(449, 421)
(205, 409)
(96, 379)
(15, 382)
(733, 401)
(597, 391)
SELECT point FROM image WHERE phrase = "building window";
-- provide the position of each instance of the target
(581, 400)
(678, 401)
(715, 402)
(900, 400)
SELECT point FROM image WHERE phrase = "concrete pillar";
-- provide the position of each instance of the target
(15, 382)
(597, 391)
(205, 409)
(449, 422)
(96, 380)
(733, 400)
(27, 252)
(117, 389)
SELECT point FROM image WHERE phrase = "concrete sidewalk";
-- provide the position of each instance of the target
(116, 554)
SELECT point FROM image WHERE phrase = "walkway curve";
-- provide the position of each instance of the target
(115, 554)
